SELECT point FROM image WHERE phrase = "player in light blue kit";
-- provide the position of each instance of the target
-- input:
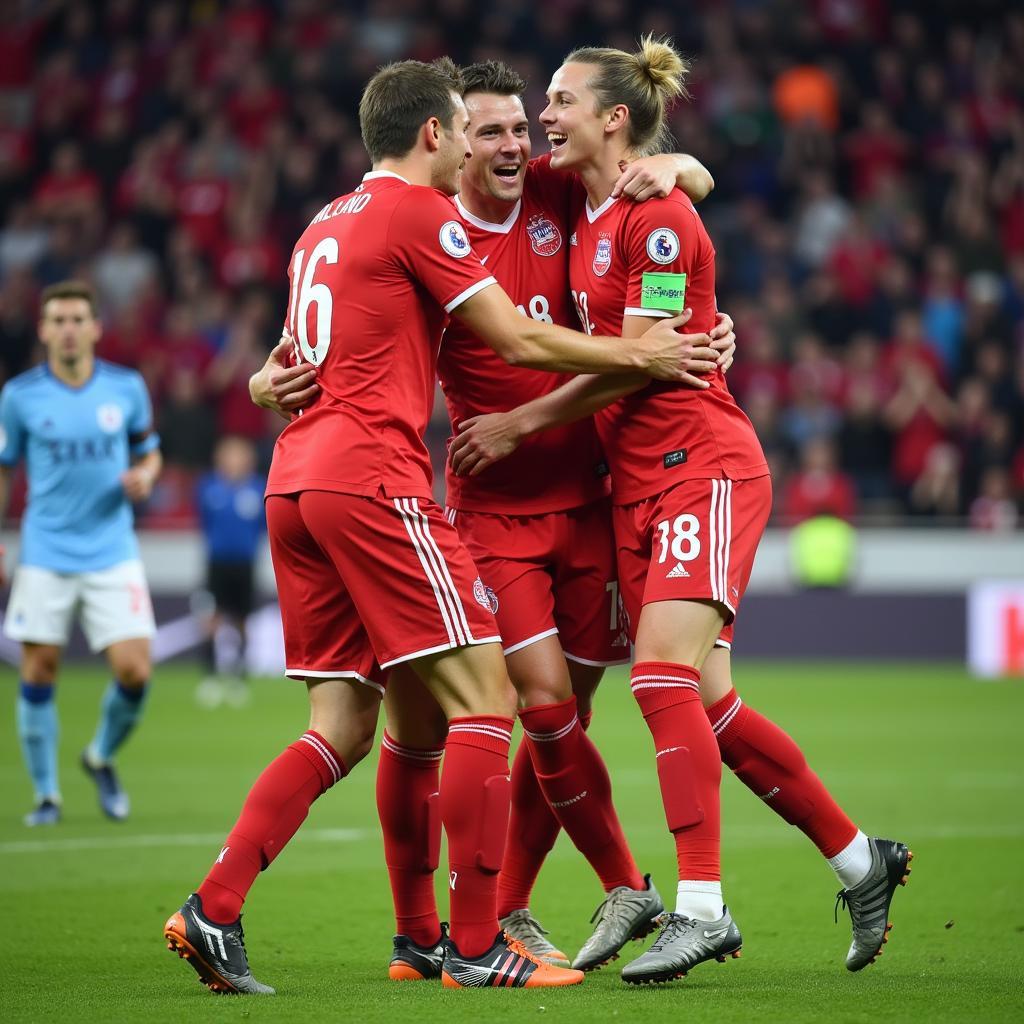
(84, 429)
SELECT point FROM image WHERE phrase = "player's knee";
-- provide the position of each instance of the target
(39, 668)
(133, 675)
(679, 789)
(532, 696)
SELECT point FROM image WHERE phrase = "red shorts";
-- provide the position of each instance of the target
(365, 583)
(695, 541)
(552, 573)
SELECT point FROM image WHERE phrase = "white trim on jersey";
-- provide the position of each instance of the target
(660, 314)
(595, 664)
(469, 293)
(370, 175)
(450, 514)
(476, 641)
(592, 215)
(529, 640)
(725, 644)
(302, 673)
(485, 225)
(720, 541)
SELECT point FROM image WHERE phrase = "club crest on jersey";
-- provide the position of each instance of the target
(485, 596)
(110, 418)
(453, 239)
(603, 255)
(663, 245)
(545, 238)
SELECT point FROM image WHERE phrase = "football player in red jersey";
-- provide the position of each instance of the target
(369, 572)
(691, 498)
(539, 529)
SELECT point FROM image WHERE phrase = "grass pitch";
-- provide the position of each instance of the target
(919, 753)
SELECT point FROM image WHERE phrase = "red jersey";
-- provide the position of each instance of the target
(665, 432)
(372, 279)
(528, 254)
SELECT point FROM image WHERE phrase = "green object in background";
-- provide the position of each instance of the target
(663, 291)
(822, 552)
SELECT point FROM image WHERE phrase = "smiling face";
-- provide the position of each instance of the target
(453, 151)
(499, 135)
(574, 125)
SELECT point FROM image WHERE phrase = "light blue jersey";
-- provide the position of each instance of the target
(76, 443)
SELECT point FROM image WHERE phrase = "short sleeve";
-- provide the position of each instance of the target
(141, 436)
(660, 246)
(12, 430)
(431, 243)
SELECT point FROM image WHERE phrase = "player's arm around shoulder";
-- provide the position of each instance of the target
(655, 176)
(523, 341)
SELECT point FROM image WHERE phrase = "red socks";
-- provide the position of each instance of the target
(408, 803)
(532, 831)
(689, 764)
(474, 810)
(575, 783)
(276, 806)
(768, 762)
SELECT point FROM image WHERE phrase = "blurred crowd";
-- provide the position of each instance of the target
(868, 211)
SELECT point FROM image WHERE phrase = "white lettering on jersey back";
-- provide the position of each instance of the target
(353, 204)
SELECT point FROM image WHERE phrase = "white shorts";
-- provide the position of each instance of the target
(114, 604)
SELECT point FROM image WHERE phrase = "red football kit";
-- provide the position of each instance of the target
(368, 570)
(537, 523)
(689, 479)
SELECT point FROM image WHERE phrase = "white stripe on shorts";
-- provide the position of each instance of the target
(446, 575)
(720, 540)
(428, 560)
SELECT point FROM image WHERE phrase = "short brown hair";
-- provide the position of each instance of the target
(68, 290)
(492, 76)
(400, 98)
(646, 82)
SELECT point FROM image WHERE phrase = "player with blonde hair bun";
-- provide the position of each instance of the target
(691, 496)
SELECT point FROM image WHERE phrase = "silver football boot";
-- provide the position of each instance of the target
(625, 914)
(685, 942)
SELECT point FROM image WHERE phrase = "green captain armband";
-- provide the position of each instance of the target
(663, 291)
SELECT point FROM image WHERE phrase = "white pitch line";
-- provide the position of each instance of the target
(323, 835)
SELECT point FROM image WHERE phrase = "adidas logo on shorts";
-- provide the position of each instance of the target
(676, 573)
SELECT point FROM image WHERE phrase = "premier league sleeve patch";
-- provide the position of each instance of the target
(453, 239)
(663, 245)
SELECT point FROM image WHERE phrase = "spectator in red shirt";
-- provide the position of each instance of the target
(818, 487)
(69, 191)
